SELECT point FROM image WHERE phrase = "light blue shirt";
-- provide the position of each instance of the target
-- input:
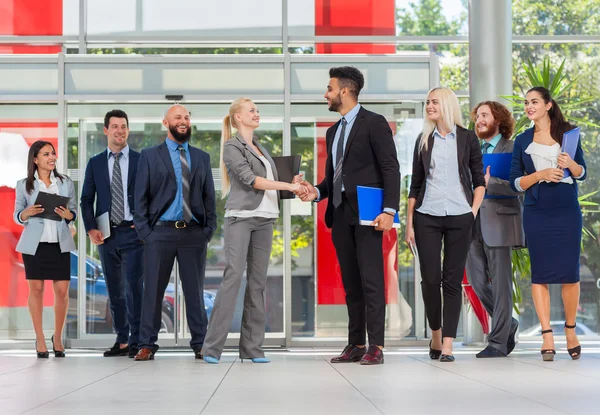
(493, 143)
(444, 194)
(175, 211)
(350, 118)
(124, 163)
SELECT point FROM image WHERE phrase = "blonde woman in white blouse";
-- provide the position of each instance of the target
(250, 182)
(551, 216)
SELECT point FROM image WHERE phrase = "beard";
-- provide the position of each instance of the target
(181, 137)
(336, 103)
(488, 133)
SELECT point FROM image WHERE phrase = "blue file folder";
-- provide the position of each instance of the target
(500, 164)
(370, 205)
(569, 145)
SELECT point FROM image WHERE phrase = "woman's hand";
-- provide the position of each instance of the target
(64, 213)
(298, 188)
(410, 238)
(551, 175)
(31, 211)
(565, 161)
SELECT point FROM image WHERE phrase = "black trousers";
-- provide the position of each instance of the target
(161, 248)
(360, 256)
(456, 233)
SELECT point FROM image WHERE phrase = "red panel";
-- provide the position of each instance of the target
(31, 18)
(355, 18)
(13, 286)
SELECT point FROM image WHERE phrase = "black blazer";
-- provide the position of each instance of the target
(369, 160)
(470, 165)
(97, 181)
(156, 187)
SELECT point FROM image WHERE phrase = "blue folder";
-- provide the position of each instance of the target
(569, 145)
(370, 205)
(500, 164)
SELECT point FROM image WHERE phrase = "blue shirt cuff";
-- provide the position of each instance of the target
(318, 199)
(518, 184)
(389, 210)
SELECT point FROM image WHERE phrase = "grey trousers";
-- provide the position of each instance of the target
(489, 271)
(247, 242)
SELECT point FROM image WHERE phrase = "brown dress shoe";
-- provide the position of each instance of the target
(374, 356)
(144, 354)
(350, 354)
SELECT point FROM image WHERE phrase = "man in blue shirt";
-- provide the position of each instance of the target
(176, 218)
(498, 228)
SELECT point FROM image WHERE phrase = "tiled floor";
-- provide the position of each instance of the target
(302, 382)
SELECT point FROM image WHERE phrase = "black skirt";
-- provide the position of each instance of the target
(48, 263)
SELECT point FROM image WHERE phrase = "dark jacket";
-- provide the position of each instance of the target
(470, 165)
(156, 187)
(369, 160)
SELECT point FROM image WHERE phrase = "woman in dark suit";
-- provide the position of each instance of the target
(551, 216)
(45, 244)
(446, 191)
(250, 182)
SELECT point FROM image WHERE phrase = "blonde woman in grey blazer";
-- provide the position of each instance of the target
(249, 177)
(45, 244)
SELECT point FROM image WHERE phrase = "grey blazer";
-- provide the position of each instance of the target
(243, 166)
(34, 227)
(502, 219)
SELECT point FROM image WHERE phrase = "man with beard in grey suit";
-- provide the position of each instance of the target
(498, 229)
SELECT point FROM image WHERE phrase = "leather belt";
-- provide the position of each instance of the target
(178, 224)
(124, 224)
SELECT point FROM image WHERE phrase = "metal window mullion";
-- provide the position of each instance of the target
(82, 46)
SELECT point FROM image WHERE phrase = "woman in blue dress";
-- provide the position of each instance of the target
(551, 217)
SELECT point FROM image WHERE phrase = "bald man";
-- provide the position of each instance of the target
(175, 217)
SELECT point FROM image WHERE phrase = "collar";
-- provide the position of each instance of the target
(351, 115)
(52, 177)
(451, 134)
(124, 152)
(173, 146)
(243, 140)
(494, 141)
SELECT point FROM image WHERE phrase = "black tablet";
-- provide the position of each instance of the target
(49, 202)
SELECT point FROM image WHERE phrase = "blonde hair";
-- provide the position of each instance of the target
(451, 114)
(226, 134)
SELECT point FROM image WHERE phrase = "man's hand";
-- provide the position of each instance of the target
(383, 222)
(96, 237)
(487, 175)
(310, 194)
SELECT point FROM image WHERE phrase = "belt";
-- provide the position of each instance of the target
(124, 224)
(179, 224)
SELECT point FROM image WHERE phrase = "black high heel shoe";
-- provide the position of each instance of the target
(433, 353)
(574, 352)
(57, 353)
(41, 355)
(547, 354)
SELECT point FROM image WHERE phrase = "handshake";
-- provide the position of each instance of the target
(303, 189)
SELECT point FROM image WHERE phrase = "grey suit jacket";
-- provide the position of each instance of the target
(502, 219)
(244, 166)
(34, 227)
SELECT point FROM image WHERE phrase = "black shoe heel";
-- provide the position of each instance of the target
(41, 355)
(433, 353)
(547, 354)
(57, 353)
(574, 352)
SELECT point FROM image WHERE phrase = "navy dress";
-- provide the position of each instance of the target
(552, 219)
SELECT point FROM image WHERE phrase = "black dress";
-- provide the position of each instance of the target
(48, 263)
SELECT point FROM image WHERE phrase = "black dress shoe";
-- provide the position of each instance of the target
(116, 350)
(198, 354)
(133, 350)
(490, 352)
(446, 358)
(511, 343)
(351, 353)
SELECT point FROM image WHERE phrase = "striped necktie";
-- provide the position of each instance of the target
(185, 180)
(117, 209)
(337, 175)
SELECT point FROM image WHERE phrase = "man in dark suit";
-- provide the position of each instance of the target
(110, 176)
(497, 230)
(360, 152)
(175, 217)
